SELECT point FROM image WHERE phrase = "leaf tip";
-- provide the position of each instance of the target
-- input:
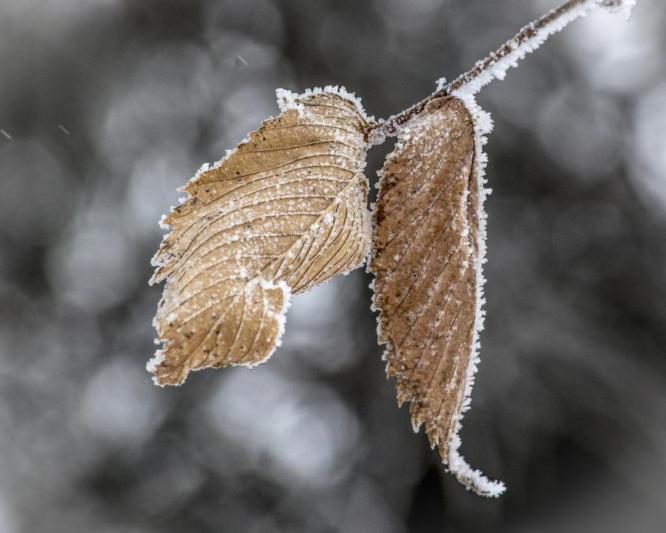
(473, 479)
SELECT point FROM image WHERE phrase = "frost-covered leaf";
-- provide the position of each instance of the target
(282, 212)
(428, 248)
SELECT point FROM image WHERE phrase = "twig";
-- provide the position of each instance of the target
(497, 62)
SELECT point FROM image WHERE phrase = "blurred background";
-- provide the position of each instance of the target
(107, 106)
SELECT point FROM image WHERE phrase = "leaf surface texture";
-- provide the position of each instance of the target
(426, 259)
(282, 212)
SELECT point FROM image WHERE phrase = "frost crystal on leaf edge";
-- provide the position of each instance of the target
(287, 99)
(473, 479)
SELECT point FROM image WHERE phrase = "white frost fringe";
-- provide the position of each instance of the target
(474, 479)
(280, 316)
(520, 50)
(287, 99)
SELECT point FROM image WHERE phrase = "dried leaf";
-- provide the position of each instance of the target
(426, 257)
(284, 211)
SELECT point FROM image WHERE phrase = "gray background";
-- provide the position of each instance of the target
(112, 104)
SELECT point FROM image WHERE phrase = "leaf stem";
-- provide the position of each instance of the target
(495, 65)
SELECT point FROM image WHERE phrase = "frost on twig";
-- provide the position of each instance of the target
(497, 63)
(527, 40)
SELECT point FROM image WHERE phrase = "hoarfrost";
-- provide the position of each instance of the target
(289, 100)
(482, 126)
(376, 137)
(240, 250)
(153, 363)
(520, 49)
(473, 479)
(280, 316)
(468, 476)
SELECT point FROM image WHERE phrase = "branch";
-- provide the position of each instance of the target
(495, 65)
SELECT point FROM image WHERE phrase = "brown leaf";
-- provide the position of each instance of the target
(427, 264)
(284, 211)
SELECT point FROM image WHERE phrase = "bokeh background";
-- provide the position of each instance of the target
(107, 106)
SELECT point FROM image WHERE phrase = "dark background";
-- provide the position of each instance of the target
(111, 105)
